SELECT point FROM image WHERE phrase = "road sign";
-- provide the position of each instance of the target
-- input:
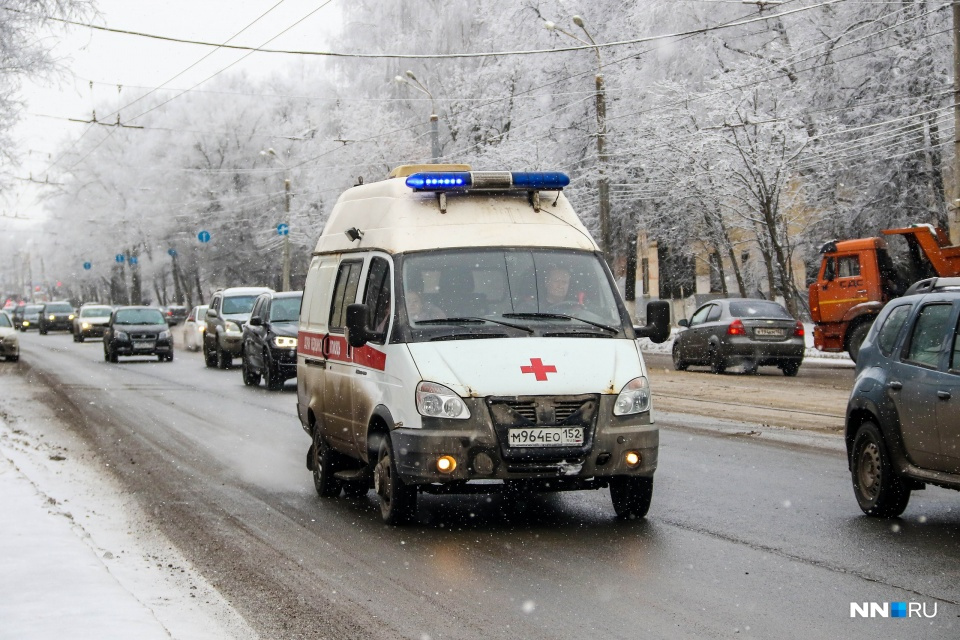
(283, 229)
(133, 259)
(119, 258)
(204, 236)
(172, 253)
(87, 266)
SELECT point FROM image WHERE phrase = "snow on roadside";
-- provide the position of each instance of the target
(78, 558)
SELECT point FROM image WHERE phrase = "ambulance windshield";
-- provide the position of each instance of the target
(548, 291)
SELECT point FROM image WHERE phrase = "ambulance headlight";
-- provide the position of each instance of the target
(437, 401)
(634, 398)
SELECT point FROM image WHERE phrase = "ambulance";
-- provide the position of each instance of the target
(460, 332)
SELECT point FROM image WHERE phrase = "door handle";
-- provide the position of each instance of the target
(944, 395)
(896, 385)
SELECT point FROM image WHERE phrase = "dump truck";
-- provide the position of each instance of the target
(857, 278)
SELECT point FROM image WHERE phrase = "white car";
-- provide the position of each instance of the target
(91, 321)
(9, 343)
(193, 328)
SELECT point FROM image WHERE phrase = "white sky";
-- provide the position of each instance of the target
(111, 59)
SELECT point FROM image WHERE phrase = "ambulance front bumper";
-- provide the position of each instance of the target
(480, 451)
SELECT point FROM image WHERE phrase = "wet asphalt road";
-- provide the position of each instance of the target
(744, 539)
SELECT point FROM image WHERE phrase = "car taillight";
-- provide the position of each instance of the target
(798, 332)
(736, 328)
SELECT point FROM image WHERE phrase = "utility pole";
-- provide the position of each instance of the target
(434, 119)
(286, 237)
(955, 227)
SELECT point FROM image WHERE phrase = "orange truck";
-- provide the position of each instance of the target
(858, 277)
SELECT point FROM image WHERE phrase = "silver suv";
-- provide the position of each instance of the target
(902, 429)
(229, 310)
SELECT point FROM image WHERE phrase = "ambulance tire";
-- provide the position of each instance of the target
(631, 496)
(398, 501)
(324, 463)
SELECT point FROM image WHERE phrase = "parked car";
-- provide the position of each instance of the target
(91, 321)
(56, 316)
(740, 331)
(137, 331)
(902, 430)
(31, 317)
(193, 328)
(9, 343)
(175, 314)
(223, 337)
(270, 339)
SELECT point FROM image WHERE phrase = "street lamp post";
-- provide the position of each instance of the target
(286, 208)
(603, 184)
(434, 120)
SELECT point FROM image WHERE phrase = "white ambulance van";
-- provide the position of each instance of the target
(461, 332)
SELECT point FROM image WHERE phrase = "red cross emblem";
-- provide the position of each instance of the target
(538, 369)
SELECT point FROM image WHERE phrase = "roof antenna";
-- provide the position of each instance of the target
(359, 181)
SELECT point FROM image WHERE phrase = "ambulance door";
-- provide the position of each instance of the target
(339, 376)
(370, 360)
(311, 338)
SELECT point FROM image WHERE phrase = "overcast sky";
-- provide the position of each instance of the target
(135, 63)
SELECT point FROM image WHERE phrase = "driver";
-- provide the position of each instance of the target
(557, 288)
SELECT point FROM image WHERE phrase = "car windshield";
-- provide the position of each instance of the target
(285, 309)
(33, 308)
(96, 312)
(139, 316)
(59, 308)
(4, 320)
(543, 291)
(758, 309)
(238, 304)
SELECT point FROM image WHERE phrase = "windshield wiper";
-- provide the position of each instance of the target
(560, 316)
(471, 320)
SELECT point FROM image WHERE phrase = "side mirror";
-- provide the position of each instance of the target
(211, 313)
(683, 322)
(658, 322)
(255, 321)
(357, 332)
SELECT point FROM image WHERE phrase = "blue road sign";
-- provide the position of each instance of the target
(283, 229)
(172, 253)
(204, 236)
(87, 266)
(119, 258)
(133, 259)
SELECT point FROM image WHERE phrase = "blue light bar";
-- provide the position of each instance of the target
(488, 180)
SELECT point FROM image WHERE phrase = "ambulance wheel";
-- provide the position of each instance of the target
(631, 496)
(398, 501)
(324, 459)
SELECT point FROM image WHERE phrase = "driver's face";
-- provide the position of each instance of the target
(558, 282)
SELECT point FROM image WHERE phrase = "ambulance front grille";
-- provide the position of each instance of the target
(543, 410)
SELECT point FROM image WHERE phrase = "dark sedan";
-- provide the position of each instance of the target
(56, 316)
(740, 331)
(137, 331)
(270, 339)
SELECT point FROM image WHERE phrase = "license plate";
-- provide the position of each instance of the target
(143, 345)
(762, 331)
(546, 437)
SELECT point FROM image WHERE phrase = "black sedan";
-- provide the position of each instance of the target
(56, 316)
(270, 339)
(740, 331)
(137, 331)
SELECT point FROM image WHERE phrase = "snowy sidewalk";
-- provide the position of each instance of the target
(52, 585)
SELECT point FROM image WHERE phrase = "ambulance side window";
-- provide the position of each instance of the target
(344, 293)
(376, 296)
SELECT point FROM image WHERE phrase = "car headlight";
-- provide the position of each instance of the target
(72, 316)
(85, 325)
(634, 398)
(164, 335)
(285, 343)
(201, 328)
(232, 327)
(26, 323)
(121, 335)
(437, 401)
(52, 318)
